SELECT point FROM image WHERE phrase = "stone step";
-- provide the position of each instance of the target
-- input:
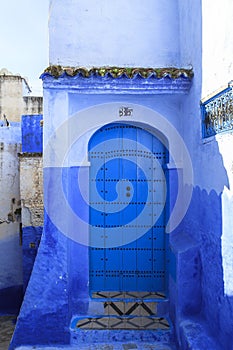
(121, 322)
(107, 346)
(91, 337)
(129, 296)
(117, 303)
(138, 307)
(121, 329)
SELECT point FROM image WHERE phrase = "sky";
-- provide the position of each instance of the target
(24, 39)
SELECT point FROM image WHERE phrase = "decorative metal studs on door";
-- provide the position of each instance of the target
(127, 210)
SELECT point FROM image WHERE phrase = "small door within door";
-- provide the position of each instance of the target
(127, 210)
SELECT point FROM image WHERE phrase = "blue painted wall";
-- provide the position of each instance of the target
(61, 269)
(32, 132)
(31, 237)
(47, 290)
(32, 142)
(11, 299)
(196, 288)
(11, 289)
(200, 236)
(16, 260)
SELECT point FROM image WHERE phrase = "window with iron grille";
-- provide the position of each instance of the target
(217, 112)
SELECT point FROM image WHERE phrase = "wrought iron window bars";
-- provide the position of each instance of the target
(217, 112)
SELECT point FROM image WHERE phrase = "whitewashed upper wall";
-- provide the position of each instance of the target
(217, 64)
(190, 35)
(10, 249)
(114, 33)
(13, 102)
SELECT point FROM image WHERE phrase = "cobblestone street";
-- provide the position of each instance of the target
(7, 324)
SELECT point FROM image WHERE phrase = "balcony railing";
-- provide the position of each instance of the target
(217, 112)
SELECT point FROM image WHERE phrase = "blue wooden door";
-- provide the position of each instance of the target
(127, 216)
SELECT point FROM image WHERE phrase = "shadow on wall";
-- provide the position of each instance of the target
(11, 289)
(10, 300)
(197, 245)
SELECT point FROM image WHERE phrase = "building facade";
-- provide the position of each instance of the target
(21, 149)
(137, 200)
(15, 97)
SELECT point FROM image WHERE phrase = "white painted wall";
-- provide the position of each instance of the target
(190, 35)
(14, 98)
(114, 33)
(31, 194)
(10, 249)
(11, 97)
(206, 43)
(217, 62)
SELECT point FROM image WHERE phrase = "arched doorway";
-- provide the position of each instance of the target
(127, 210)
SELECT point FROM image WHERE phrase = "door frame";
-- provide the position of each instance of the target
(166, 206)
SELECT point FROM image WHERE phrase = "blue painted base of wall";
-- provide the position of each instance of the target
(194, 336)
(58, 288)
(199, 308)
(11, 284)
(10, 300)
(44, 316)
(31, 240)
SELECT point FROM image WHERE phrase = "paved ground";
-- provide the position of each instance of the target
(7, 325)
(116, 346)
